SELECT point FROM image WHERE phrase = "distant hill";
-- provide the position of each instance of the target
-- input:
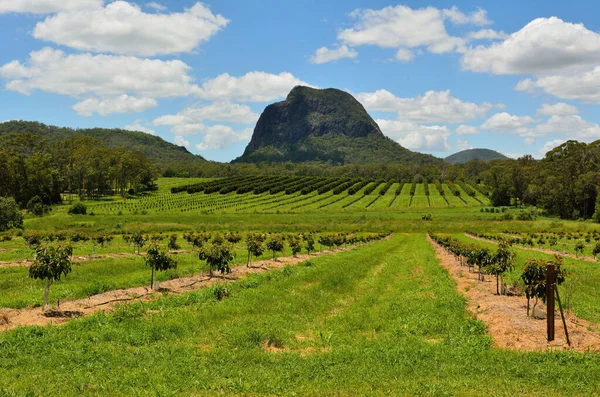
(330, 125)
(471, 154)
(162, 153)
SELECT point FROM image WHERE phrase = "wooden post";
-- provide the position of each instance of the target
(550, 279)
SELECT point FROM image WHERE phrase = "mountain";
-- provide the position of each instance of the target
(471, 154)
(165, 155)
(323, 126)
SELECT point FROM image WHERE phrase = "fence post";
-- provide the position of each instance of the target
(550, 279)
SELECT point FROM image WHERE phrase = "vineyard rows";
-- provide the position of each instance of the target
(299, 194)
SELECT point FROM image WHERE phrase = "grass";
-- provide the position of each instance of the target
(381, 320)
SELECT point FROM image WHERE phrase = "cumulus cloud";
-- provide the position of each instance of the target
(462, 145)
(156, 6)
(52, 70)
(400, 27)
(463, 130)
(404, 55)
(549, 146)
(487, 34)
(508, 123)
(572, 127)
(545, 45)
(137, 126)
(478, 17)
(583, 86)
(189, 121)
(416, 137)
(221, 136)
(47, 6)
(432, 107)
(181, 141)
(557, 109)
(123, 28)
(324, 54)
(121, 104)
(251, 87)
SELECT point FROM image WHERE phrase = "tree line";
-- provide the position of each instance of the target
(34, 170)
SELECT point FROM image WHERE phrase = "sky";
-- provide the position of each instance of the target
(520, 77)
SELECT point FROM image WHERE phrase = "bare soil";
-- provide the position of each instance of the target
(506, 316)
(107, 301)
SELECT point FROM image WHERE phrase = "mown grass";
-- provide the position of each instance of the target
(381, 320)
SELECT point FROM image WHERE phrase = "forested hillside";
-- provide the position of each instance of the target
(169, 158)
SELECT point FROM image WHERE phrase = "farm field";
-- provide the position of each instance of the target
(374, 321)
(380, 318)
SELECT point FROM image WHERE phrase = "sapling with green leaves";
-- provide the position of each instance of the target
(275, 244)
(579, 247)
(173, 246)
(296, 247)
(309, 243)
(596, 250)
(158, 261)
(139, 241)
(534, 278)
(255, 246)
(501, 262)
(218, 255)
(51, 263)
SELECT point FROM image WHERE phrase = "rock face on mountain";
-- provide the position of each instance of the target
(323, 125)
(472, 154)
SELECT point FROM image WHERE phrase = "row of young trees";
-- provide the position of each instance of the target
(32, 168)
(533, 275)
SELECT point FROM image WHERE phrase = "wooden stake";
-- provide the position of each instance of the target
(550, 278)
(562, 315)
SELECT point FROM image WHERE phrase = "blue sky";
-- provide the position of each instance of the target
(514, 76)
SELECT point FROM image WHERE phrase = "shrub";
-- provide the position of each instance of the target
(10, 216)
(78, 209)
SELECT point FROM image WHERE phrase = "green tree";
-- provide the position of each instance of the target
(255, 246)
(10, 216)
(158, 261)
(275, 244)
(294, 243)
(309, 243)
(501, 262)
(51, 263)
(218, 255)
(534, 278)
(579, 247)
(173, 246)
(139, 241)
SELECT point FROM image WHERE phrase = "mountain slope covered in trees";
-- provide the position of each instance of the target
(330, 125)
(472, 154)
(166, 156)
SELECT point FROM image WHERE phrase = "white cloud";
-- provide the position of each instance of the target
(400, 27)
(416, 137)
(486, 34)
(47, 6)
(478, 17)
(404, 55)
(463, 130)
(102, 76)
(529, 140)
(433, 106)
(137, 126)
(123, 28)
(189, 121)
(251, 87)
(463, 145)
(121, 104)
(156, 6)
(582, 86)
(525, 85)
(324, 54)
(545, 45)
(549, 146)
(221, 136)
(557, 109)
(572, 127)
(508, 123)
(181, 141)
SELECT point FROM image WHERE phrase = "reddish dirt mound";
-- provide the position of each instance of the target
(506, 316)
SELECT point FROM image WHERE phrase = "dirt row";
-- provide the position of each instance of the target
(12, 318)
(506, 316)
(543, 250)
